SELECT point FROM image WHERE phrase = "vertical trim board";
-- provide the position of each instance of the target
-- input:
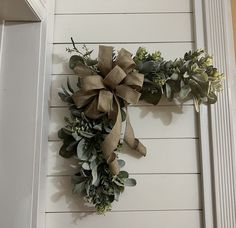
(218, 41)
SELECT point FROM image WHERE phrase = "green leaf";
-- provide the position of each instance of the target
(72, 146)
(184, 92)
(61, 134)
(98, 127)
(81, 153)
(174, 76)
(117, 182)
(74, 60)
(212, 98)
(117, 194)
(76, 136)
(91, 62)
(196, 103)
(169, 93)
(86, 166)
(123, 174)
(121, 163)
(152, 98)
(94, 163)
(196, 89)
(86, 134)
(130, 182)
(65, 91)
(65, 153)
(146, 67)
(95, 180)
(199, 78)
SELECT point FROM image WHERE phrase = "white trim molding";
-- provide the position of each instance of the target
(219, 43)
(38, 7)
(204, 130)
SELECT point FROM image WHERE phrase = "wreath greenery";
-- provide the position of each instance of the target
(191, 77)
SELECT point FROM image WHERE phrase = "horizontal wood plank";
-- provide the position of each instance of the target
(168, 50)
(164, 156)
(137, 219)
(124, 28)
(152, 192)
(147, 121)
(122, 6)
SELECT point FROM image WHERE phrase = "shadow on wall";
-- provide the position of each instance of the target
(165, 115)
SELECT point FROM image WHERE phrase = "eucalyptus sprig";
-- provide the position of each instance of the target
(191, 77)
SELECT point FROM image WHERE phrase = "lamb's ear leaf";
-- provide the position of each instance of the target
(74, 60)
(130, 182)
(169, 92)
(152, 98)
(81, 153)
(121, 163)
(65, 153)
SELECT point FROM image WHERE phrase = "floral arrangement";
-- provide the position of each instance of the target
(106, 86)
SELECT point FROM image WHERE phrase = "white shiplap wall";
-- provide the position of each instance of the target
(168, 191)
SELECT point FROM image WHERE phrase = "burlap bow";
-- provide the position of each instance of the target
(101, 93)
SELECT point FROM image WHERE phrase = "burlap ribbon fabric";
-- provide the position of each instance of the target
(102, 93)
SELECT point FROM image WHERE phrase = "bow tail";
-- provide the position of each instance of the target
(111, 141)
(130, 139)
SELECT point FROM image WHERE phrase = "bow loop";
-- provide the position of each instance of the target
(94, 82)
(114, 77)
(125, 61)
(105, 59)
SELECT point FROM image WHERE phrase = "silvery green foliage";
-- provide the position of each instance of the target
(191, 77)
(82, 138)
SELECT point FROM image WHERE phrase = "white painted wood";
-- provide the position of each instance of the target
(171, 166)
(39, 8)
(148, 122)
(168, 50)
(112, 6)
(219, 43)
(152, 192)
(204, 132)
(164, 156)
(18, 122)
(40, 169)
(177, 27)
(137, 219)
(41, 144)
